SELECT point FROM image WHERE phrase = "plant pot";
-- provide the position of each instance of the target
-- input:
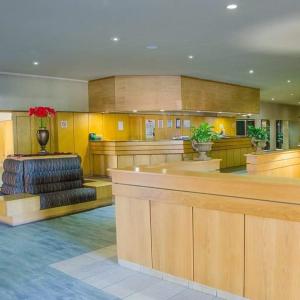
(202, 149)
(259, 145)
(42, 137)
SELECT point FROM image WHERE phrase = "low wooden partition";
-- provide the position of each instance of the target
(223, 233)
(275, 163)
(120, 154)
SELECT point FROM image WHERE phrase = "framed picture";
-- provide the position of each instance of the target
(150, 126)
(178, 123)
(186, 123)
(170, 123)
(160, 123)
(120, 125)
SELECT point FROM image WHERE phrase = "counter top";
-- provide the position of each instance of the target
(281, 190)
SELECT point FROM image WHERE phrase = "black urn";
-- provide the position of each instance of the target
(43, 137)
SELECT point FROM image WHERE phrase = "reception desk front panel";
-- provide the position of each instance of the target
(122, 154)
(230, 233)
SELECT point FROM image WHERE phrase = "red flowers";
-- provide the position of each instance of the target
(42, 112)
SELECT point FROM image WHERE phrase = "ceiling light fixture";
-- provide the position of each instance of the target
(135, 110)
(272, 99)
(232, 6)
(115, 39)
(35, 63)
(251, 71)
(151, 47)
(191, 56)
(288, 81)
(162, 110)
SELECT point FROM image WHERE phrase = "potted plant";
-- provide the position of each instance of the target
(202, 139)
(42, 133)
(259, 137)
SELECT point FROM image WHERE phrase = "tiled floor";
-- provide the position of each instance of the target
(74, 258)
(100, 270)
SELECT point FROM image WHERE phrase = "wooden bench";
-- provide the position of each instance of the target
(20, 209)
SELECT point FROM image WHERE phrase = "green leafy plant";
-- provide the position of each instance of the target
(204, 133)
(280, 138)
(259, 134)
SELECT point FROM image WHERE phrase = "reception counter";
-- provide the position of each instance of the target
(119, 154)
(222, 233)
(281, 163)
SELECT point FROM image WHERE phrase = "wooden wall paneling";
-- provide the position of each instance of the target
(95, 123)
(157, 159)
(133, 216)
(81, 141)
(102, 95)
(230, 158)
(125, 161)
(205, 95)
(122, 135)
(219, 249)
(173, 157)
(141, 160)
(136, 127)
(23, 135)
(65, 136)
(147, 93)
(171, 228)
(236, 157)
(110, 162)
(272, 262)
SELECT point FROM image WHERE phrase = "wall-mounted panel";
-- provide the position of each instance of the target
(148, 93)
(102, 95)
(205, 95)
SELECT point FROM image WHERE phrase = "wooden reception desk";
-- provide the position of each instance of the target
(275, 163)
(222, 233)
(120, 154)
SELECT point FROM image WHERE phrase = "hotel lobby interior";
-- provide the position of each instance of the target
(149, 150)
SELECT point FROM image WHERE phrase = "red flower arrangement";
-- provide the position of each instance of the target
(42, 112)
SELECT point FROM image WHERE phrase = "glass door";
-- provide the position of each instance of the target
(279, 134)
(266, 125)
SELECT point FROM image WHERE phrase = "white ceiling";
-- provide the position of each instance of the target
(71, 38)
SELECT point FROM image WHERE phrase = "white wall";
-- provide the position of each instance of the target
(19, 92)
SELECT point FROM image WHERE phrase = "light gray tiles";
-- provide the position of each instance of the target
(99, 269)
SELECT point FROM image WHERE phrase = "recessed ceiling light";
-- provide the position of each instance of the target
(35, 63)
(135, 110)
(191, 56)
(251, 71)
(272, 99)
(115, 39)
(220, 112)
(161, 110)
(198, 110)
(232, 6)
(151, 47)
(288, 81)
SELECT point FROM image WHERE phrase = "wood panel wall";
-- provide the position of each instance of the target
(6, 140)
(73, 138)
(198, 94)
(171, 93)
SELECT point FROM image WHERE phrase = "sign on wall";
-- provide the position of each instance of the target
(150, 125)
(64, 124)
(120, 125)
